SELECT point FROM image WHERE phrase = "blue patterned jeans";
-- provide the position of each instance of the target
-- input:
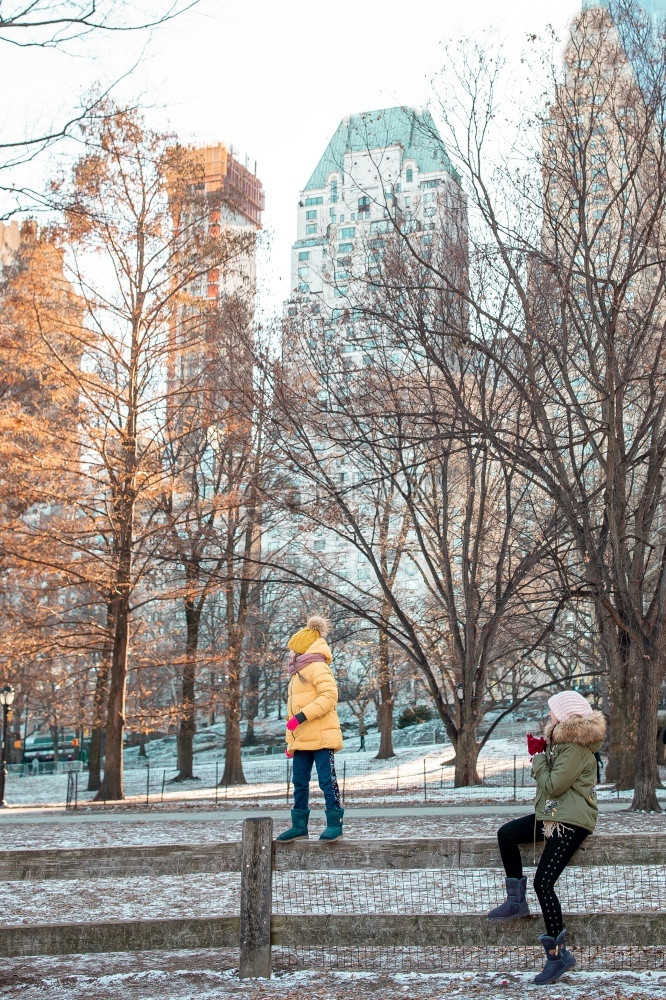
(328, 782)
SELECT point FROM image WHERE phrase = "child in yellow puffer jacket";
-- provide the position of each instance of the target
(313, 728)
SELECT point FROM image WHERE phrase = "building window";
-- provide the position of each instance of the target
(429, 211)
(364, 204)
(303, 272)
(429, 184)
(304, 255)
(353, 216)
(336, 313)
(304, 288)
(314, 201)
(342, 218)
(310, 228)
(331, 212)
(340, 292)
(334, 190)
(341, 273)
(348, 233)
(311, 214)
(345, 247)
(409, 175)
(320, 545)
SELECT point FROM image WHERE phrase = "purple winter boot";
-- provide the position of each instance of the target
(515, 904)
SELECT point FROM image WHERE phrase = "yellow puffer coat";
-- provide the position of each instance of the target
(313, 692)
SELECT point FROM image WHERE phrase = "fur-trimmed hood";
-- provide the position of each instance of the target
(581, 729)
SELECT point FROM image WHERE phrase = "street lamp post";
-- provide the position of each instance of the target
(7, 694)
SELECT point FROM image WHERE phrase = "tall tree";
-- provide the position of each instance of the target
(565, 299)
(131, 269)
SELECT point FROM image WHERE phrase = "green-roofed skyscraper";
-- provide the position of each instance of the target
(381, 169)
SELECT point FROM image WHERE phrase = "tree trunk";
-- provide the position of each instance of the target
(647, 773)
(467, 752)
(101, 683)
(622, 738)
(233, 763)
(112, 788)
(386, 700)
(253, 681)
(187, 719)
(55, 736)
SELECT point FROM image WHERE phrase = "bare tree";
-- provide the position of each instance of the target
(565, 298)
(455, 514)
(131, 269)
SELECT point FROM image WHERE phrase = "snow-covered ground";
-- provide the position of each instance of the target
(124, 829)
(418, 774)
(207, 976)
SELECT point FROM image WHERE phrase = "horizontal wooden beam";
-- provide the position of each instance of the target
(455, 852)
(458, 930)
(311, 855)
(119, 861)
(379, 930)
(120, 935)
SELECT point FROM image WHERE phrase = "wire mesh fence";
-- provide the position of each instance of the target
(617, 888)
(626, 899)
(462, 960)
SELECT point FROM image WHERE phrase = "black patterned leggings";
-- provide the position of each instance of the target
(558, 852)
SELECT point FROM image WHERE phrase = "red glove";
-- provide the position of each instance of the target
(288, 754)
(293, 723)
(535, 744)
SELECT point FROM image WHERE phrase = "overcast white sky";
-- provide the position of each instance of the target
(272, 79)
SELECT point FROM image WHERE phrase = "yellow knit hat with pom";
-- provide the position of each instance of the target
(317, 627)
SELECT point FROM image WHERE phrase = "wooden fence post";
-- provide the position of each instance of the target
(256, 898)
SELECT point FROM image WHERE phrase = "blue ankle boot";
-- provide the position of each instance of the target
(558, 959)
(515, 904)
(333, 829)
(299, 825)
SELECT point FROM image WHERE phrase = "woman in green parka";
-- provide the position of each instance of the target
(565, 770)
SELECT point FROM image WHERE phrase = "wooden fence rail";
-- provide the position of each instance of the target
(308, 855)
(257, 929)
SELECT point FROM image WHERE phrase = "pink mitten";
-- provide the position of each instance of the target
(535, 744)
(288, 754)
(292, 724)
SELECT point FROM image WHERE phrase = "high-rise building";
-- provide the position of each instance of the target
(384, 178)
(604, 122)
(224, 194)
(383, 171)
(220, 197)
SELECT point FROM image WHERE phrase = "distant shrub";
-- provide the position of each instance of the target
(413, 716)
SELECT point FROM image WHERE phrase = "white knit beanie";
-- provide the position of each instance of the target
(568, 703)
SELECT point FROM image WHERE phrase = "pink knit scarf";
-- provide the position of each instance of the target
(297, 663)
